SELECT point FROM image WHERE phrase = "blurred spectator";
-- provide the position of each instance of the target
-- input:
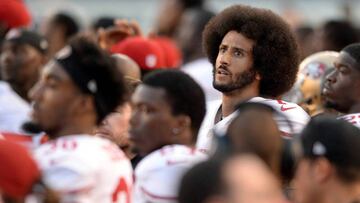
(14, 111)
(103, 22)
(305, 38)
(127, 66)
(170, 13)
(245, 136)
(188, 33)
(13, 14)
(20, 179)
(202, 183)
(328, 168)
(145, 52)
(116, 125)
(334, 35)
(189, 38)
(173, 56)
(21, 60)
(247, 179)
(58, 30)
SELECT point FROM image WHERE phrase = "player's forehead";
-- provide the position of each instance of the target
(149, 94)
(237, 40)
(345, 58)
(53, 70)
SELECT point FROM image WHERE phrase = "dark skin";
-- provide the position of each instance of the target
(341, 89)
(20, 66)
(153, 124)
(72, 112)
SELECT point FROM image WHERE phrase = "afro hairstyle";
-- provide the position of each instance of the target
(275, 53)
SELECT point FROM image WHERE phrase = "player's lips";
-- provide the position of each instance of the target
(222, 70)
(326, 90)
(34, 109)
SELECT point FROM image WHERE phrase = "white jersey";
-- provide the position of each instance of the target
(158, 175)
(14, 111)
(294, 119)
(86, 169)
(353, 118)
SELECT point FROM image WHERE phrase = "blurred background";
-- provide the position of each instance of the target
(310, 12)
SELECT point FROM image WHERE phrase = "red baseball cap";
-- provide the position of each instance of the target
(18, 171)
(173, 56)
(146, 53)
(13, 13)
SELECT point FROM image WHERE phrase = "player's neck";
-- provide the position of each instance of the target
(74, 129)
(230, 100)
(343, 193)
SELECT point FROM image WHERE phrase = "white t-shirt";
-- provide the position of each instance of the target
(297, 118)
(14, 111)
(353, 118)
(86, 169)
(158, 175)
(201, 71)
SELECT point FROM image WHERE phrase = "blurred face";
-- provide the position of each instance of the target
(234, 63)
(168, 16)
(185, 32)
(248, 180)
(55, 36)
(152, 121)
(341, 88)
(305, 187)
(116, 126)
(55, 99)
(20, 64)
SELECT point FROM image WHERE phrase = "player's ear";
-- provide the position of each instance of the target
(258, 76)
(183, 123)
(86, 103)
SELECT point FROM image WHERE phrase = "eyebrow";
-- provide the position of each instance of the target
(53, 77)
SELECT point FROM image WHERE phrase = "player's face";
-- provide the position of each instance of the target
(55, 99)
(304, 187)
(234, 63)
(20, 64)
(248, 180)
(342, 84)
(152, 121)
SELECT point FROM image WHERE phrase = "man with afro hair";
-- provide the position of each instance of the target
(255, 58)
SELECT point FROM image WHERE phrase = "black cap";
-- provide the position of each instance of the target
(28, 37)
(336, 140)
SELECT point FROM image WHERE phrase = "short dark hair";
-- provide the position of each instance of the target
(275, 52)
(336, 140)
(70, 25)
(353, 50)
(103, 22)
(339, 33)
(98, 66)
(183, 93)
(192, 3)
(201, 182)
